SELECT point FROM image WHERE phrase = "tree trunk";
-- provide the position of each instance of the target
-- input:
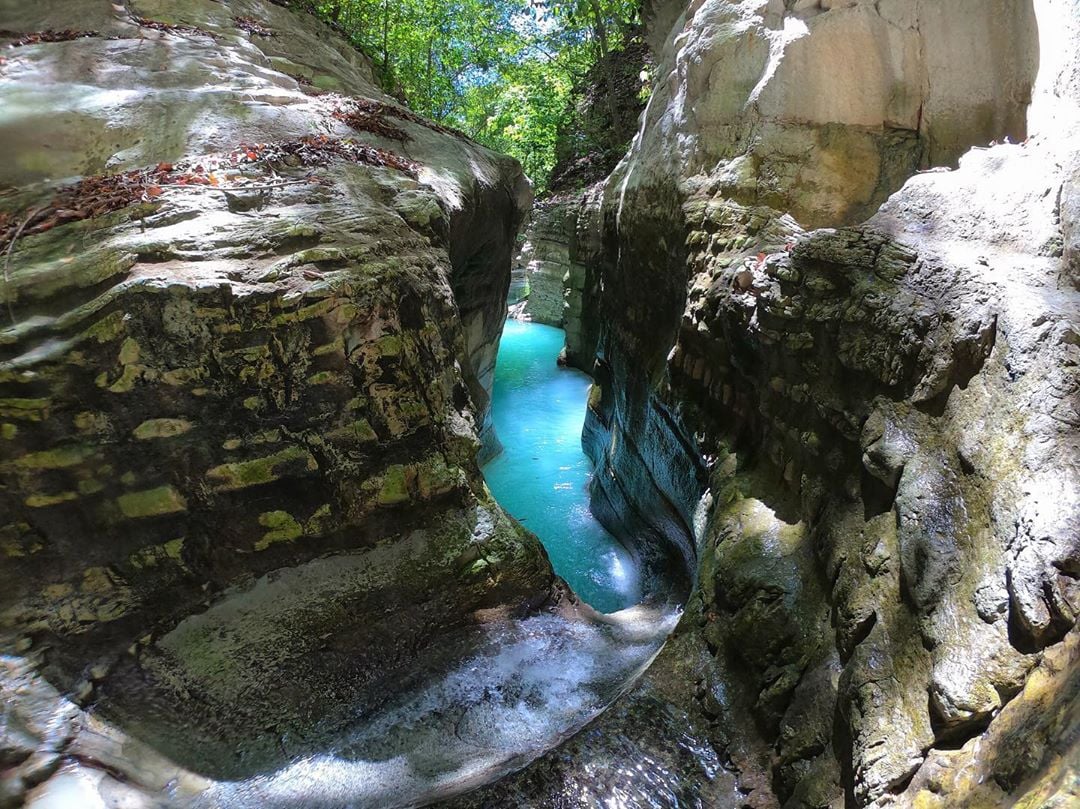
(600, 32)
(430, 70)
(386, 39)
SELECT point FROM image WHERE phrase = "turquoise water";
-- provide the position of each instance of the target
(542, 475)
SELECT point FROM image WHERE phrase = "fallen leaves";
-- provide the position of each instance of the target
(49, 35)
(169, 28)
(320, 150)
(368, 115)
(253, 26)
(90, 197)
(102, 194)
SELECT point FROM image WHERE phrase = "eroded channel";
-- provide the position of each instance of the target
(508, 690)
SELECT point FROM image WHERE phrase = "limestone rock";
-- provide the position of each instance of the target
(903, 390)
(544, 262)
(561, 242)
(240, 417)
(871, 90)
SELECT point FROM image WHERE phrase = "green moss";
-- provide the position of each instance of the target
(8, 432)
(23, 377)
(161, 428)
(317, 523)
(357, 433)
(315, 310)
(324, 82)
(25, 409)
(267, 437)
(477, 568)
(336, 347)
(283, 528)
(596, 394)
(129, 351)
(17, 540)
(318, 255)
(90, 422)
(302, 231)
(59, 458)
(434, 477)
(46, 500)
(390, 345)
(125, 383)
(323, 378)
(395, 487)
(157, 554)
(151, 503)
(363, 430)
(241, 475)
(414, 412)
(180, 377)
(205, 313)
(90, 486)
(107, 329)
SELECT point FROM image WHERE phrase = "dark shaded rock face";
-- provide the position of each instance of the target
(871, 430)
(239, 425)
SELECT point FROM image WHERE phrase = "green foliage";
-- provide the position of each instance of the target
(504, 71)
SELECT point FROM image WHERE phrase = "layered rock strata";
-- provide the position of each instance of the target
(543, 264)
(557, 268)
(239, 417)
(872, 428)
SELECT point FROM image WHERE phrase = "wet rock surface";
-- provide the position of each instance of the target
(240, 421)
(656, 747)
(543, 265)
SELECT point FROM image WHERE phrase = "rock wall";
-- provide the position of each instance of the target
(544, 263)
(243, 374)
(557, 262)
(872, 91)
(870, 429)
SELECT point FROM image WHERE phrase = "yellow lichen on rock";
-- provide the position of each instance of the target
(289, 462)
(151, 503)
(161, 428)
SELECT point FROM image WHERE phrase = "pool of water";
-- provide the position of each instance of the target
(542, 476)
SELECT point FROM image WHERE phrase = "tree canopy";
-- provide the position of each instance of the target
(504, 71)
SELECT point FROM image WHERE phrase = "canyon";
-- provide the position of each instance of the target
(830, 305)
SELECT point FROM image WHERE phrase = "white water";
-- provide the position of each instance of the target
(529, 686)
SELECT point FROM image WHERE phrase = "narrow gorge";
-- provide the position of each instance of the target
(767, 495)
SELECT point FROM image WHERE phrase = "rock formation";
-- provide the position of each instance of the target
(544, 266)
(831, 301)
(245, 365)
(869, 429)
(561, 243)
